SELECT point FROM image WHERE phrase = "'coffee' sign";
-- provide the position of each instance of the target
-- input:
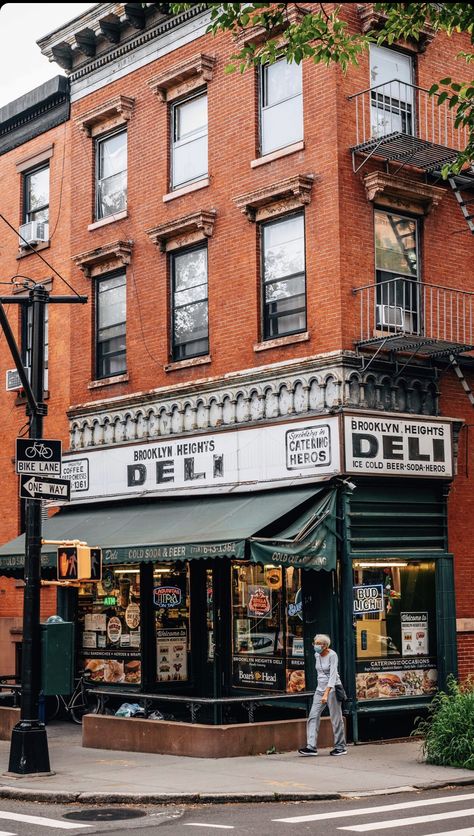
(397, 446)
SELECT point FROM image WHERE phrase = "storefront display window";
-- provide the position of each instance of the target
(172, 612)
(394, 612)
(109, 626)
(267, 622)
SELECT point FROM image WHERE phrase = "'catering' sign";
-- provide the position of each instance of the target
(397, 446)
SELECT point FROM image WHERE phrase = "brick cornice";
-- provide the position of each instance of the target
(195, 71)
(398, 192)
(105, 258)
(117, 111)
(197, 225)
(285, 194)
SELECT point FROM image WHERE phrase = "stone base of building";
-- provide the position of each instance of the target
(9, 717)
(198, 741)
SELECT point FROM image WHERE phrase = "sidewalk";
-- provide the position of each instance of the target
(100, 775)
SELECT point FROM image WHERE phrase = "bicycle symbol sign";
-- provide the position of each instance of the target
(38, 456)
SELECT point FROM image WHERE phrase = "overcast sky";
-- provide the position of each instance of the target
(22, 67)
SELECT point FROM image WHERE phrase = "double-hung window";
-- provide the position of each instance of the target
(281, 106)
(111, 321)
(189, 140)
(27, 341)
(283, 277)
(190, 331)
(36, 197)
(392, 92)
(397, 272)
(111, 174)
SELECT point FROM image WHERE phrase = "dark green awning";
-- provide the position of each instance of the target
(164, 529)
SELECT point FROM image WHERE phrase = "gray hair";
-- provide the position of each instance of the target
(321, 638)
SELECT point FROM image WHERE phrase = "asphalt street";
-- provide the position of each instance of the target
(443, 812)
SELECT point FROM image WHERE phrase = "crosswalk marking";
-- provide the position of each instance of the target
(6, 833)
(385, 808)
(385, 825)
(466, 831)
(41, 820)
(201, 824)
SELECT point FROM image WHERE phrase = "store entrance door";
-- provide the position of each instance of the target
(210, 615)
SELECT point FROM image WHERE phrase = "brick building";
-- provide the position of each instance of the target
(280, 298)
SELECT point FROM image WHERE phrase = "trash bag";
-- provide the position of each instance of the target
(130, 709)
(156, 715)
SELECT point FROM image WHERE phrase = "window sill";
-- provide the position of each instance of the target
(193, 187)
(276, 155)
(110, 219)
(280, 341)
(108, 381)
(36, 249)
(186, 364)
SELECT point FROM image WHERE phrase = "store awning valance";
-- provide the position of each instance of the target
(167, 529)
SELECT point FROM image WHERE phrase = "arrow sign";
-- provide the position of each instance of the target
(44, 487)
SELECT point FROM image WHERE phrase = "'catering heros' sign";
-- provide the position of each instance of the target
(397, 446)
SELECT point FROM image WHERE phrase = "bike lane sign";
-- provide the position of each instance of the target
(39, 456)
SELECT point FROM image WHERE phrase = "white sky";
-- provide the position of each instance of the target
(22, 66)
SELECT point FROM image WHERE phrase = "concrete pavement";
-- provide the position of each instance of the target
(100, 775)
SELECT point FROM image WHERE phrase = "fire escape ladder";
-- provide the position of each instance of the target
(461, 378)
(463, 189)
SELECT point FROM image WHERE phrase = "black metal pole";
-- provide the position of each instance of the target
(29, 743)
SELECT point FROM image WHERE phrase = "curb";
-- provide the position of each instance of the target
(50, 796)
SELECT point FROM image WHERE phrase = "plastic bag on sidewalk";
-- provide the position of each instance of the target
(156, 715)
(130, 709)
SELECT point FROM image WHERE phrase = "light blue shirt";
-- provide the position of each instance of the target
(326, 670)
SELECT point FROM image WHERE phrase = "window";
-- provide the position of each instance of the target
(189, 150)
(284, 282)
(111, 325)
(171, 599)
(36, 195)
(397, 272)
(26, 339)
(281, 100)
(111, 178)
(190, 334)
(391, 78)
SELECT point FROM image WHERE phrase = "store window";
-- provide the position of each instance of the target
(172, 613)
(190, 328)
(267, 628)
(392, 92)
(111, 174)
(111, 325)
(397, 272)
(109, 626)
(394, 611)
(281, 105)
(189, 144)
(283, 277)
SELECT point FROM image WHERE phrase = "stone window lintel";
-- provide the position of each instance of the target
(371, 19)
(259, 34)
(108, 115)
(183, 231)
(184, 77)
(104, 259)
(33, 160)
(401, 193)
(278, 198)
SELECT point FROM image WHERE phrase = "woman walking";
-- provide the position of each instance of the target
(325, 694)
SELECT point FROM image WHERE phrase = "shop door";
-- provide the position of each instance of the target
(211, 628)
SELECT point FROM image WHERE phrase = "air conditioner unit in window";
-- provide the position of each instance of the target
(34, 232)
(390, 316)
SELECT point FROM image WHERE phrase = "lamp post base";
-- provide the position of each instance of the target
(29, 749)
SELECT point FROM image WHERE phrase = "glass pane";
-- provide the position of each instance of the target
(395, 244)
(190, 269)
(37, 192)
(282, 124)
(287, 290)
(280, 325)
(282, 80)
(387, 64)
(112, 305)
(190, 161)
(191, 294)
(190, 323)
(113, 155)
(171, 599)
(112, 195)
(284, 248)
(295, 672)
(40, 215)
(191, 118)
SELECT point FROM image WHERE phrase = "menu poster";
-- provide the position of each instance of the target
(172, 657)
(414, 633)
(394, 678)
(113, 671)
(95, 622)
(89, 640)
(262, 672)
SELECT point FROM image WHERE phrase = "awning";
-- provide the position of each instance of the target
(165, 529)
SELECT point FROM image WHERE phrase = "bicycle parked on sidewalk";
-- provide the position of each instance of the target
(80, 702)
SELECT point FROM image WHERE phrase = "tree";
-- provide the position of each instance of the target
(324, 38)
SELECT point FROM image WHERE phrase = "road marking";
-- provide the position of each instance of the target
(385, 825)
(202, 824)
(386, 808)
(6, 833)
(61, 825)
(467, 831)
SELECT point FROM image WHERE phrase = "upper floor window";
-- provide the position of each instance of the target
(36, 195)
(283, 279)
(27, 342)
(392, 94)
(189, 143)
(397, 271)
(111, 174)
(281, 106)
(190, 331)
(111, 321)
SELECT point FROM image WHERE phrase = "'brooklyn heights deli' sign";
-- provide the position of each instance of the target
(397, 446)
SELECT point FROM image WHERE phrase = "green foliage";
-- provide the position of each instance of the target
(448, 731)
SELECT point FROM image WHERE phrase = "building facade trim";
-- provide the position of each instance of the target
(277, 198)
(113, 112)
(401, 193)
(183, 77)
(104, 259)
(182, 231)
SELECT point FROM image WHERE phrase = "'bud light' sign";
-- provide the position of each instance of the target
(167, 597)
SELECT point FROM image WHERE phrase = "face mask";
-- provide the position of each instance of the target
(318, 648)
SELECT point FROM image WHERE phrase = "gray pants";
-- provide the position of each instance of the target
(335, 712)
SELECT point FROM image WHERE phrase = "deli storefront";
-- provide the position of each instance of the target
(224, 554)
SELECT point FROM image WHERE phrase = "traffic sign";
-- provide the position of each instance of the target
(44, 487)
(41, 456)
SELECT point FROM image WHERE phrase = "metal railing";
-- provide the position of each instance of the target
(408, 307)
(398, 107)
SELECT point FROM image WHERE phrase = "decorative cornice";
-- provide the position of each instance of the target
(257, 34)
(398, 192)
(371, 19)
(102, 259)
(196, 224)
(195, 71)
(103, 114)
(287, 194)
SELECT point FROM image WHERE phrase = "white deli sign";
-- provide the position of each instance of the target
(245, 459)
(393, 446)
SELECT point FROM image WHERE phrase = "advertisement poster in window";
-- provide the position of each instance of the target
(259, 604)
(295, 675)
(113, 671)
(414, 633)
(266, 672)
(171, 650)
(397, 678)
